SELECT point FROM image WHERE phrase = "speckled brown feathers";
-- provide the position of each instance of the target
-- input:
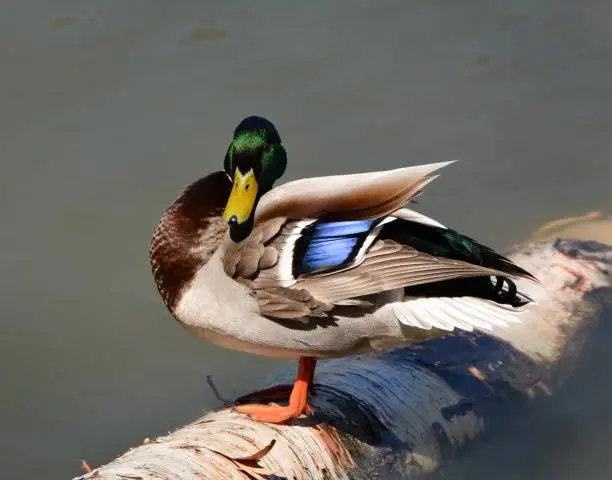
(245, 259)
(188, 234)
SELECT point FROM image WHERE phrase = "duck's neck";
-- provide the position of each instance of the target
(188, 234)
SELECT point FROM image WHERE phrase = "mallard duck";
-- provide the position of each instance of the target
(319, 267)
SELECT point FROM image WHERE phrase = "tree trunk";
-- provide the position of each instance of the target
(403, 412)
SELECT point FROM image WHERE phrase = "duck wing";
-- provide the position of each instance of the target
(327, 242)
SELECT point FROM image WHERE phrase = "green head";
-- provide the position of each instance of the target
(254, 161)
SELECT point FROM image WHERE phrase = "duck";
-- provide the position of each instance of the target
(320, 267)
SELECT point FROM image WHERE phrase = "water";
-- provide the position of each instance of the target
(565, 437)
(109, 108)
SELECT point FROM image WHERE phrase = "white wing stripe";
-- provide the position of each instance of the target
(478, 310)
(476, 317)
(284, 266)
(468, 316)
(456, 321)
(505, 313)
(424, 315)
(414, 216)
(406, 317)
(448, 313)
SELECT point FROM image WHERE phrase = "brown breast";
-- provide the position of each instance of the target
(188, 234)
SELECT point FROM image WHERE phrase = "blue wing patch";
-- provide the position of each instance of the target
(329, 244)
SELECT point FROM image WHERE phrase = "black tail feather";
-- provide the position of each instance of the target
(442, 242)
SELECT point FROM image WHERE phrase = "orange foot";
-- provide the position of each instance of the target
(272, 413)
(298, 405)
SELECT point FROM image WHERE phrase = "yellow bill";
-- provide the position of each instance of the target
(242, 199)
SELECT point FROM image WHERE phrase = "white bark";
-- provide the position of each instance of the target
(403, 412)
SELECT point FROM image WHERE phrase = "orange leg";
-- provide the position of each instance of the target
(298, 404)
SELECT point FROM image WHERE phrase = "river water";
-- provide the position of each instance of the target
(109, 108)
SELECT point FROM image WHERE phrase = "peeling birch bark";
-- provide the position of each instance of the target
(404, 412)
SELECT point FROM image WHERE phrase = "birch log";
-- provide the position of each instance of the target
(404, 412)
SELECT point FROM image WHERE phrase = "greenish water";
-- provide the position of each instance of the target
(109, 108)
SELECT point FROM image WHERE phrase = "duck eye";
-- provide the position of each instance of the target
(247, 186)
